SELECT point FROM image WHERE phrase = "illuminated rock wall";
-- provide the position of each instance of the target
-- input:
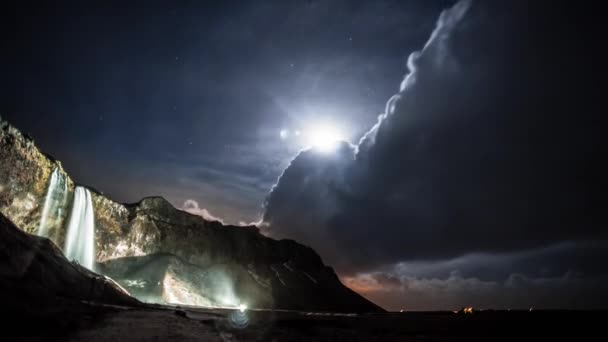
(166, 255)
(25, 174)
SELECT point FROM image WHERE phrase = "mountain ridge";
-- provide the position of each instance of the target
(253, 265)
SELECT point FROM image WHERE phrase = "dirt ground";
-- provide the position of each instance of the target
(94, 322)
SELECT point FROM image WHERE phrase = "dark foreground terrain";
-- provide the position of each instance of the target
(93, 322)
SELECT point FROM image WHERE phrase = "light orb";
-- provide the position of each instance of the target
(242, 307)
(324, 138)
(284, 134)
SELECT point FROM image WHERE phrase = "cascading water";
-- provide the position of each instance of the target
(80, 239)
(54, 203)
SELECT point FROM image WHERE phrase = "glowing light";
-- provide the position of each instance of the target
(239, 319)
(284, 134)
(42, 231)
(468, 310)
(324, 138)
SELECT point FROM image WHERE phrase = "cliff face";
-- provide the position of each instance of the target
(162, 254)
(25, 173)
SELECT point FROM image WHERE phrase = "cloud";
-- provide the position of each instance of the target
(559, 276)
(492, 145)
(192, 207)
(517, 291)
(305, 198)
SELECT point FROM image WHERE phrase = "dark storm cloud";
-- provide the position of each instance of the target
(566, 275)
(551, 261)
(569, 290)
(492, 145)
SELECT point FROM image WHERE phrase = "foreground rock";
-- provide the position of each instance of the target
(166, 255)
(36, 280)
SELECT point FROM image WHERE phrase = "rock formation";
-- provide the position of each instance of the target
(162, 254)
(33, 269)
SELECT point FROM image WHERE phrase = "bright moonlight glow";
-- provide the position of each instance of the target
(324, 138)
(242, 307)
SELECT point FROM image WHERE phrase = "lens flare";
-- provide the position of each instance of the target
(284, 134)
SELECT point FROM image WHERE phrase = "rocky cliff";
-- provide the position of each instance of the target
(162, 254)
(33, 269)
(25, 174)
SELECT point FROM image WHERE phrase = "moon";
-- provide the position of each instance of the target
(324, 138)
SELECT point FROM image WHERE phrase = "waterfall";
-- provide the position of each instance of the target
(54, 202)
(80, 239)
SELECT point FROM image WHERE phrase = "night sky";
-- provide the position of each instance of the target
(480, 182)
